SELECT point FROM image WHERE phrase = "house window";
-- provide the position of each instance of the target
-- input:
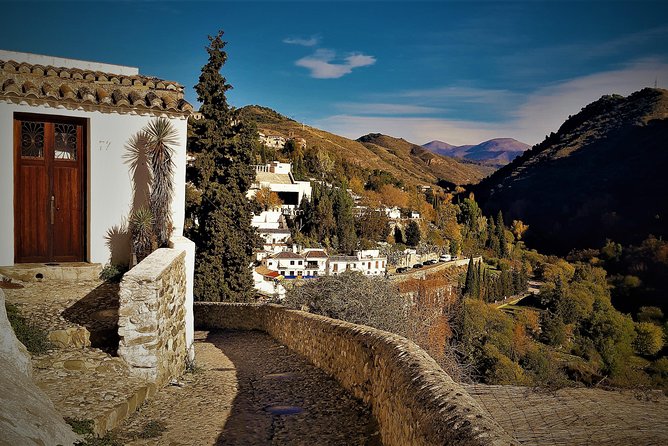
(299, 263)
(32, 139)
(376, 264)
(292, 262)
(315, 273)
(65, 142)
(292, 273)
(369, 265)
(282, 273)
(336, 267)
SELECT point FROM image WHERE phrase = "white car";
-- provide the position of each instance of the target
(445, 258)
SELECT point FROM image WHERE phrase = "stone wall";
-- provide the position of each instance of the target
(152, 317)
(414, 401)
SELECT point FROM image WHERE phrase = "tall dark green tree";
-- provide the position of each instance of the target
(345, 222)
(222, 143)
(501, 235)
(412, 233)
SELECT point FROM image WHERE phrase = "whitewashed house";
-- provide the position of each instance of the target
(279, 179)
(371, 263)
(393, 213)
(316, 262)
(65, 186)
(340, 264)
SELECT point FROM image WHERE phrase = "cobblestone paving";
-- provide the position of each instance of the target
(576, 416)
(253, 391)
(61, 305)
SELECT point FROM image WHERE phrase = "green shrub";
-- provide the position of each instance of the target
(34, 338)
(113, 273)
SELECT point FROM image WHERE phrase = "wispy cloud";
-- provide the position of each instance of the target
(379, 108)
(323, 64)
(308, 41)
(535, 114)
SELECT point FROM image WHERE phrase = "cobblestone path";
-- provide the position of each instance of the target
(577, 416)
(251, 390)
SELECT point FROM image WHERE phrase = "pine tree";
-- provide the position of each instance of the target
(222, 143)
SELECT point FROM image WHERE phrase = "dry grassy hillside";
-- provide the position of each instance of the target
(413, 165)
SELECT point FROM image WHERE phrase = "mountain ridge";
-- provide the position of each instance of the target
(497, 151)
(600, 176)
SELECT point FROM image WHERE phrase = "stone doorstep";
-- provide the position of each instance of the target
(36, 272)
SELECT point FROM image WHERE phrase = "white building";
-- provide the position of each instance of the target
(371, 263)
(65, 186)
(272, 141)
(393, 213)
(315, 262)
(273, 229)
(266, 282)
(278, 178)
(288, 264)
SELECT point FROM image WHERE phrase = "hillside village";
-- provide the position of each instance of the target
(232, 276)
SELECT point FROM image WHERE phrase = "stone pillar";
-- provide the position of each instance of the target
(152, 317)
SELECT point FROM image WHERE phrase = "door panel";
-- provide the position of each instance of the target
(31, 232)
(66, 227)
(49, 192)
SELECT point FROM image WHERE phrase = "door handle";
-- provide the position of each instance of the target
(53, 209)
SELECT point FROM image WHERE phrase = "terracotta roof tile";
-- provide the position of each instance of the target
(287, 255)
(316, 254)
(74, 87)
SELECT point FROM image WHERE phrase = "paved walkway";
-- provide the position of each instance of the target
(577, 416)
(251, 390)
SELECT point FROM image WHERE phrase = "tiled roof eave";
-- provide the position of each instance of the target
(88, 106)
(77, 88)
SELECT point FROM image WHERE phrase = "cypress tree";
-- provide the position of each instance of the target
(345, 222)
(501, 235)
(412, 234)
(222, 143)
(470, 277)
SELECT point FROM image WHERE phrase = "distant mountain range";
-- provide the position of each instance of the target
(498, 151)
(603, 175)
(406, 161)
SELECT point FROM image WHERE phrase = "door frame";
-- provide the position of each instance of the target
(82, 161)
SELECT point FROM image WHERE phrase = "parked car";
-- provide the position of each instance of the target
(417, 265)
(401, 269)
(445, 258)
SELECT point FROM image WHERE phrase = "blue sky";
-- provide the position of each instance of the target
(461, 72)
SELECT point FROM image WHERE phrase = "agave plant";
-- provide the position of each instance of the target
(161, 137)
(141, 229)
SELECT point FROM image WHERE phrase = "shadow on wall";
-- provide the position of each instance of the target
(98, 313)
(118, 237)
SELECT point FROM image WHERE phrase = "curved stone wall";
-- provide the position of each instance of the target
(414, 401)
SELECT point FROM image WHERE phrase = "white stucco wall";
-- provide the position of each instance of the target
(109, 181)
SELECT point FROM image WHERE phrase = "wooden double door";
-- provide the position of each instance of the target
(49, 188)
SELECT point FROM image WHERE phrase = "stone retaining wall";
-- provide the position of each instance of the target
(152, 317)
(414, 401)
